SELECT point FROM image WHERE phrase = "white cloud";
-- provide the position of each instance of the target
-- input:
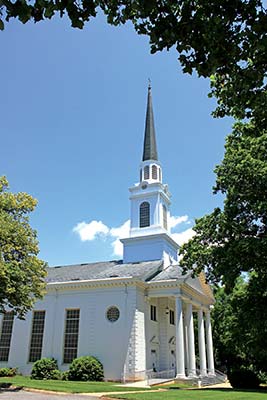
(122, 231)
(183, 237)
(117, 247)
(118, 233)
(89, 231)
(174, 221)
(95, 229)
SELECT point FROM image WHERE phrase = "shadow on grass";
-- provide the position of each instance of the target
(225, 390)
(7, 387)
(256, 390)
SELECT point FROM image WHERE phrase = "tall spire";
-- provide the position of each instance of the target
(150, 145)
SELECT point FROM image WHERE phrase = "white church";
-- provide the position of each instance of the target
(134, 315)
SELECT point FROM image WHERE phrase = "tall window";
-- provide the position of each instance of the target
(172, 321)
(140, 175)
(153, 313)
(165, 217)
(6, 333)
(36, 345)
(144, 214)
(71, 335)
(154, 172)
(146, 172)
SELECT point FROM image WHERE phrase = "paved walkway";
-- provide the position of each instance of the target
(225, 385)
(32, 394)
(25, 395)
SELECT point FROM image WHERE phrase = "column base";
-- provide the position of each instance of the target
(211, 373)
(180, 376)
(192, 375)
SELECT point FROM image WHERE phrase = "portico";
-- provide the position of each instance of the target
(185, 343)
(189, 304)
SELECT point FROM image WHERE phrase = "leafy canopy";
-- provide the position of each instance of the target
(234, 240)
(21, 272)
(240, 324)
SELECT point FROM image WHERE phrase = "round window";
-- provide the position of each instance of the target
(113, 314)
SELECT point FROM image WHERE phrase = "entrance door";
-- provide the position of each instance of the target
(173, 360)
(154, 359)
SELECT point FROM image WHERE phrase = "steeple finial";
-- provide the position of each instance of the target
(150, 145)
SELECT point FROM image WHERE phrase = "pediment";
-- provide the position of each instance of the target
(154, 340)
(199, 283)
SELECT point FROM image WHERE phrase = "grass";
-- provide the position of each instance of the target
(199, 394)
(65, 386)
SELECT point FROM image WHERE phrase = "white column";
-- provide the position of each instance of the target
(191, 341)
(179, 332)
(201, 344)
(211, 370)
(186, 348)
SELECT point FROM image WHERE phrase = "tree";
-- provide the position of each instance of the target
(240, 324)
(233, 240)
(21, 272)
(225, 40)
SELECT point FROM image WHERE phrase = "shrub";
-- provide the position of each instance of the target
(262, 377)
(8, 371)
(46, 368)
(243, 379)
(86, 368)
(65, 376)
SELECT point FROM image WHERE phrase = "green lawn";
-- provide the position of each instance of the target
(198, 394)
(65, 386)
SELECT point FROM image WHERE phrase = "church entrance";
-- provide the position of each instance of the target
(155, 360)
(172, 354)
(173, 360)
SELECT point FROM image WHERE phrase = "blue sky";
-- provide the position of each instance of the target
(72, 123)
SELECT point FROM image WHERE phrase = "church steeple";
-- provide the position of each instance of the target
(150, 237)
(150, 145)
(150, 168)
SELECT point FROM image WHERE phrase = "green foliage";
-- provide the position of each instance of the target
(86, 368)
(65, 376)
(8, 371)
(240, 324)
(243, 379)
(46, 368)
(234, 240)
(21, 272)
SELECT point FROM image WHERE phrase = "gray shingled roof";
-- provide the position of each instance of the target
(175, 272)
(171, 272)
(104, 270)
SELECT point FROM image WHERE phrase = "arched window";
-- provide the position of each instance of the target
(144, 214)
(154, 172)
(146, 172)
(165, 217)
(140, 175)
(159, 174)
